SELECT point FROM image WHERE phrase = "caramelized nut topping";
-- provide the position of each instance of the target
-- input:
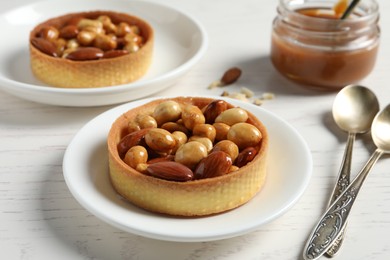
(182, 147)
(112, 40)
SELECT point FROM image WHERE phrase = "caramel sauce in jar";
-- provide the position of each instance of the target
(313, 46)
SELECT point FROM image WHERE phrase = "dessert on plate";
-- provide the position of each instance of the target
(91, 49)
(187, 156)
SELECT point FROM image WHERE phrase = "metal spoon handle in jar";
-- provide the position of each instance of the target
(342, 183)
(335, 218)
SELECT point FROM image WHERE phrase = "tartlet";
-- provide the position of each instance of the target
(198, 197)
(66, 73)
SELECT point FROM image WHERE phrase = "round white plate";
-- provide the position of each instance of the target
(85, 168)
(180, 42)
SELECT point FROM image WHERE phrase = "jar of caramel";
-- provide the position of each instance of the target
(312, 45)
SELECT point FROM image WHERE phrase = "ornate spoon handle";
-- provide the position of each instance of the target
(341, 184)
(335, 218)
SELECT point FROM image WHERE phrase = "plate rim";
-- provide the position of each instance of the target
(7, 84)
(116, 111)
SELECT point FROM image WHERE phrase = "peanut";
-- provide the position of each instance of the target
(160, 140)
(192, 116)
(136, 155)
(244, 135)
(205, 130)
(190, 154)
(232, 116)
(228, 147)
(167, 111)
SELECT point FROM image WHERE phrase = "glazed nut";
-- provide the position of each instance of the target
(244, 135)
(105, 42)
(203, 140)
(228, 147)
(108, 26)
(190, 154)
(171, 171)
(72, 44)
(231, 76)
(160, 140)
(69, 32)
(84, 23)
(132, 38)
(123, 29)
(136, 155)
(167, 158)
(181, 138)
(192, 116)
(49, 33)
(86, 38)
(86, 53)
(146, 121)
(205, 130)
(174, 126)
(232, 116)
(213, 109)
(45, 46)
(233, 168)
(245, 156)
(167, 111)
(221, 131)
(61, 45)
(130, 140)
(131, 47)
(133, 126)
(114, 53)
(215, 164)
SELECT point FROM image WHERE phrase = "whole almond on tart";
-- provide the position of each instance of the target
(196, 197)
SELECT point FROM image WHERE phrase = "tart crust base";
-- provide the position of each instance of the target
(64, 73)
(192, 198)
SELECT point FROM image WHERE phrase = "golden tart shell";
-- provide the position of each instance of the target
(191, 198)
(65, 73)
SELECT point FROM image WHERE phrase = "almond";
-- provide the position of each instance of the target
(114, 53)
(86, 53)
(231, 76)
(169, 170)
(167, 158)
(131, 140)
(45, 46)
(245, 156)
(215, 164)
(214, 109)
(69, 32)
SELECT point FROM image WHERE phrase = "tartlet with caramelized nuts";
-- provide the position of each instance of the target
(187, 156)
(91, 49)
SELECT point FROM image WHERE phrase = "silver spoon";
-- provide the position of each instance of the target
(335, 218)
(353, 110)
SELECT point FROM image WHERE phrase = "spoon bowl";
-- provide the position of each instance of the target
(354, 108)
(380, 130)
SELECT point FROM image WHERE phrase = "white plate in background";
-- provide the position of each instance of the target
(180, 42)
(85, 168)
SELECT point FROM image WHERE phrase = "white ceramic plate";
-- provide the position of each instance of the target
(85, 168)
(180, 41)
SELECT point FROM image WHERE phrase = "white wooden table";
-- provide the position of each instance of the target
(40, 219)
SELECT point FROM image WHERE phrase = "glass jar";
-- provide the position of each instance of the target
(313, 46)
